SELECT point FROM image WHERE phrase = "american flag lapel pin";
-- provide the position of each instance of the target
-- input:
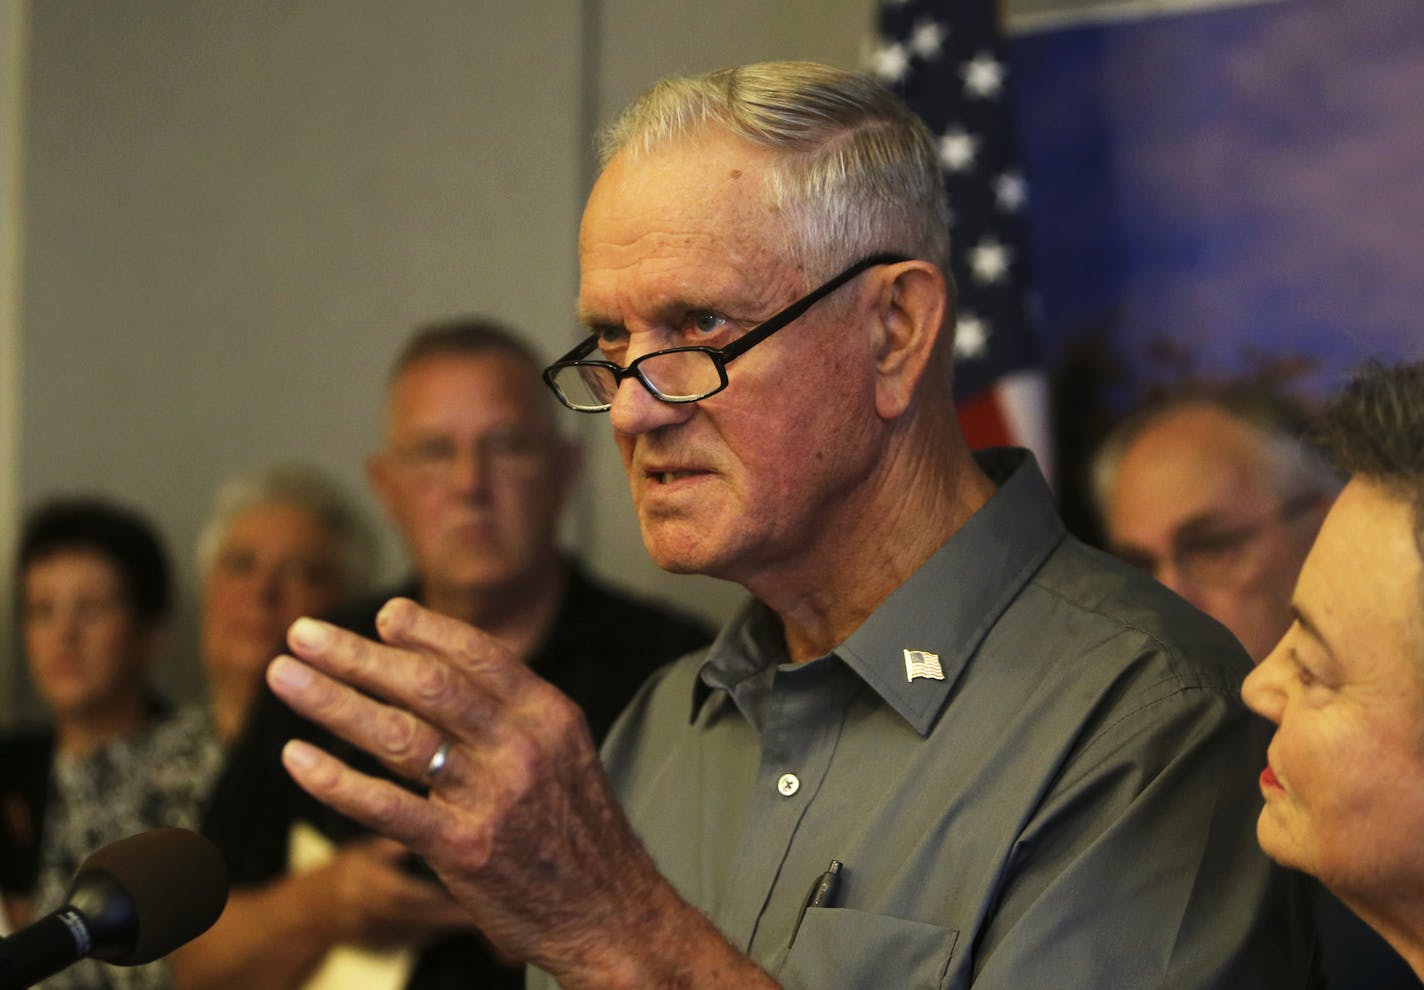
(920, 663)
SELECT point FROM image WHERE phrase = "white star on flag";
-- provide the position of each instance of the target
(957, 149)
(989, 261)
(890, 62)
(1010, 191)
(954, 72)
(983, 76)
(971, 337)
(927, 39)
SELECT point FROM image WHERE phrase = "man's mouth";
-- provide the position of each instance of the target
(668, 477)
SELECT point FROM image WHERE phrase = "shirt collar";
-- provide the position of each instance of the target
(740, 660)
(943, 611)
(949, 605)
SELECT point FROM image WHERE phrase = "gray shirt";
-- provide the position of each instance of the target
(1072, 805)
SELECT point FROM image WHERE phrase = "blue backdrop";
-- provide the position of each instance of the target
(1235, 186)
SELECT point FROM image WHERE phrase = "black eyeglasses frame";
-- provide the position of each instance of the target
(578, 356)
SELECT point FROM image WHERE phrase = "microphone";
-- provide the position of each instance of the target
(131, 902)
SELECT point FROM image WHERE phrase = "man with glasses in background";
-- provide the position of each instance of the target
(475, 475)
(943, 743)
(1217, 493)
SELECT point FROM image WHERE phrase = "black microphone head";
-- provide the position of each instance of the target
(146, 895)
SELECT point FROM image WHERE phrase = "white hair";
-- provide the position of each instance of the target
(305, 488)
(858, 172)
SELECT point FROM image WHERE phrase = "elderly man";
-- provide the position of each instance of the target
(1344, 787)
(474, 474)
(943, 745)
(1217, 493)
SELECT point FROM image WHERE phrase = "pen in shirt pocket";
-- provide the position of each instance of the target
(820, 893)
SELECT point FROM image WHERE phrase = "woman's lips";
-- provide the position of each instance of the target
(1269, 781)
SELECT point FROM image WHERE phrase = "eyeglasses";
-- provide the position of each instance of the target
(1212, 553)
(504, 454)
(678, 374)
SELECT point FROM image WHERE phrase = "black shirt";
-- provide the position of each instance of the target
(601, 647)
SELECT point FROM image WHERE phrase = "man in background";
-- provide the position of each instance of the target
(1218, 495)
(475, 475)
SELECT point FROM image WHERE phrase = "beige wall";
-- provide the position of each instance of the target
(221, 216)
(12, 32)
(232, 212)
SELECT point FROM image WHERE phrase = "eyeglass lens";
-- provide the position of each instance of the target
(676, 376)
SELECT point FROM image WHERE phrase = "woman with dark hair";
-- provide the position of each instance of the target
(93, 589)
(1344, 785)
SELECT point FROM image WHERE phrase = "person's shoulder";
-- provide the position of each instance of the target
(661, 710)
(25, 741)
(605, 611)
(25, 756)
(188, 736)
(1110, 609)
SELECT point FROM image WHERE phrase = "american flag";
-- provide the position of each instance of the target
(946, 60)
(920, 663)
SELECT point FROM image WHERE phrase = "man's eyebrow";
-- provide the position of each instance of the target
(589, 319)
(1205, 520)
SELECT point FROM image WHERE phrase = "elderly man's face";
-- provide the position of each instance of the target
(473, 474)
(1345, 784)
(1198, 502)
(274, 563)
(680, 247)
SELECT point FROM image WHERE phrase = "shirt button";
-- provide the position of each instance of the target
(788, 785)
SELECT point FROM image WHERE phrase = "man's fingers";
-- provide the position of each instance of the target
(397, 738)
(380, 805)
(423, 681)
(379, 847)
(403, 623)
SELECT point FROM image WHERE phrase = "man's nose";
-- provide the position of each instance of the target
(70, 625)
(636, 410)
(267, 583)
(470, 470)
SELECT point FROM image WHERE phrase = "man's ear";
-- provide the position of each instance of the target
(909, 314)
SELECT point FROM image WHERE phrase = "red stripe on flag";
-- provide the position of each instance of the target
(983, 421)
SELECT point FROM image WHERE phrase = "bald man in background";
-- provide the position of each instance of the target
(1217, 494)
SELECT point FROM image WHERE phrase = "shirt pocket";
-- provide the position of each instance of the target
(837, 947)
